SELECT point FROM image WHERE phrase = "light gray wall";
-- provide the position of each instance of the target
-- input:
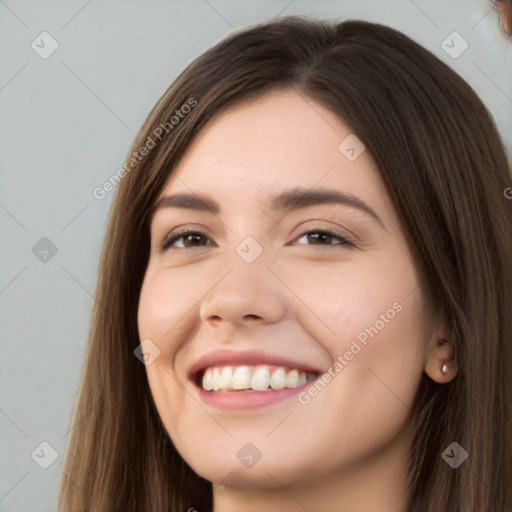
(66, 123)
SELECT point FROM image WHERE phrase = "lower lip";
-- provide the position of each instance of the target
(249, 399)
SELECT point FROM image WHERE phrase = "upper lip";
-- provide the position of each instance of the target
(227, 357)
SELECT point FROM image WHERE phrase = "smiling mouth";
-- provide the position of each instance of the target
(250, 378)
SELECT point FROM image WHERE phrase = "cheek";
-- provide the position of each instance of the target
(159, 313)
(155, 308)
(366, 398)
(369, 317)
(165, 299)
(165, 316)
(358, 296)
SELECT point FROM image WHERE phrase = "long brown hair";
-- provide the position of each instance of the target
(445, 168)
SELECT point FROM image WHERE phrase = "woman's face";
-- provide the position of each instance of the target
(263, 290)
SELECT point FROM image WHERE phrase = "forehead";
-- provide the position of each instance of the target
(276, 142)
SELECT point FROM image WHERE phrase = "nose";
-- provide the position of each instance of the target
(247, 293)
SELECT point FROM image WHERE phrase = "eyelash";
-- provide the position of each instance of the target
(344, 241)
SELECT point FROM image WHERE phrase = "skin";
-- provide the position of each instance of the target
(347, 449)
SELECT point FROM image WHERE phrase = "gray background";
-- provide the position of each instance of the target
(66, 126)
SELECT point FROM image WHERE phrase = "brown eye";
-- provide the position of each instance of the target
(322, 237)
(190, 239)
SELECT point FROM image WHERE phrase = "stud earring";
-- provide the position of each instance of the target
(444, 369)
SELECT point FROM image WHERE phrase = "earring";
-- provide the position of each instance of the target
(444, 369)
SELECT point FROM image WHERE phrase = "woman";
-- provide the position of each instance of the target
(309, 255)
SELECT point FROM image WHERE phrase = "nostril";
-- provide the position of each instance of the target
(251, 316)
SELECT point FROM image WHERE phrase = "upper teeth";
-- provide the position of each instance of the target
(258, 378)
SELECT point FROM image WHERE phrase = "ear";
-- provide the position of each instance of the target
(439, 364)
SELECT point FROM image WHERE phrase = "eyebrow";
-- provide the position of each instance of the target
(289, 200)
